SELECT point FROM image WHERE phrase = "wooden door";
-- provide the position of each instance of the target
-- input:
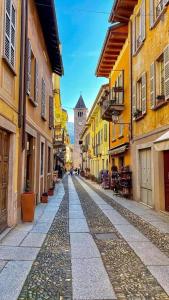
(4, 165)
(146, 177)
(166, 179)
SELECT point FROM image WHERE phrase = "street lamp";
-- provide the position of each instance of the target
(115, 120)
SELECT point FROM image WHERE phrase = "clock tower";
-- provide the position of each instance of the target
(80, 116)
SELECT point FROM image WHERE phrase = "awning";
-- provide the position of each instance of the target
(118, 150)
(162, 143)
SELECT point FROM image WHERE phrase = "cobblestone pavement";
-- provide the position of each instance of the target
(130, 278)
(160, 239)
(50, 276)
(84, 246)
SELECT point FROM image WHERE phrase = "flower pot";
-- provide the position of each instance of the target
(50, 192)
(28, 206)
(44, 199)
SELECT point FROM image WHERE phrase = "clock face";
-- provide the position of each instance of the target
(80, 123)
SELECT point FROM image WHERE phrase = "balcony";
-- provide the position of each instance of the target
(109, 106)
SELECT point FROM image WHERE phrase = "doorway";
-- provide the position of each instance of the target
(146, 177)
(29, 164)
(4, 170)
(166, 179)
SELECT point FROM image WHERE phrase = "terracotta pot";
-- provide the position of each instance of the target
(28, 206)
(50, 192)
(44, 199)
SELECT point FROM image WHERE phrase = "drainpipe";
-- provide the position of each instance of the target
(25, 76)
(22, 51)
(131, 81)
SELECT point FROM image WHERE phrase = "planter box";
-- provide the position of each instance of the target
(28, 206)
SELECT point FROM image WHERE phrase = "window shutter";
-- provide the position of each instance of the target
(143, 20)
(151, 2)
(51, 114)
(43, 102)
(36, 82)
(121, 84)
(152, 85)
(28, 67)
(10, 32)
(144, 89)
(134, 106)
(134, 36)
(166, 72)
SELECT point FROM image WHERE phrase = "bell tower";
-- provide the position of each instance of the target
(80, 116)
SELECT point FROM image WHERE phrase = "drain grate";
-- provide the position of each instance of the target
(106, 236)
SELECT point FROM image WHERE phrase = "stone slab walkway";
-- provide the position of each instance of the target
(89, 277)
(155, 261)
(20, 247)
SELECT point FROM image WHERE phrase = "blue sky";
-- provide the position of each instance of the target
(82, 32)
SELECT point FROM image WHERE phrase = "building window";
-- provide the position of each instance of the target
(113, 132)
(160, 77)
(139, 97)
(42, 159)
(10, 32)
(105, 132)
(49, 160)
(51, 113)
(159, 80)
(32, 75)
(43, 100)
(139, 28)
(156, 10)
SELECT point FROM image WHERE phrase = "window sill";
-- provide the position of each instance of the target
(139, 117)
(158, 18)
(9, 65)
(35, 104)
(159, 105)
(113, 140)
(120, 137)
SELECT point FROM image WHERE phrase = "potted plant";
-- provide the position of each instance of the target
(44, 198)
(137, 113)
(28, 204)
(161, 97)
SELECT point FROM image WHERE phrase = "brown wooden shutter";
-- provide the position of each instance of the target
(29, 51)
(144, 93)
(143, 20)
(51, 113)
(151, 2)
(152, 86)
(134, 36)
(43, 99)
(166, 72)
(36, 81)
(134, 100)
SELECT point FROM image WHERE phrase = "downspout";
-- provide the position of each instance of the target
(25, 77)
(22, 51)
(131, 81)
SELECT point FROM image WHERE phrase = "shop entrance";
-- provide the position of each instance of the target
(166, 179)
(4, 168)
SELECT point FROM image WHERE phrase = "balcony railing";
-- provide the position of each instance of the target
(109, 106)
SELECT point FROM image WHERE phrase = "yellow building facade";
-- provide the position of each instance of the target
(95, 138)
(116, 107)
(10, 14)
(150, 90)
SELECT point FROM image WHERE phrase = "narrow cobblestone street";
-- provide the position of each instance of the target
(86, 244)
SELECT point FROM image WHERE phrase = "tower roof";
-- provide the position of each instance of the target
(80, 103)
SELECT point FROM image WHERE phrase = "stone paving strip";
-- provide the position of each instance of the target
(19, 248)
(50, 275)
(89, 277)
(124, 250)
(154, 226)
